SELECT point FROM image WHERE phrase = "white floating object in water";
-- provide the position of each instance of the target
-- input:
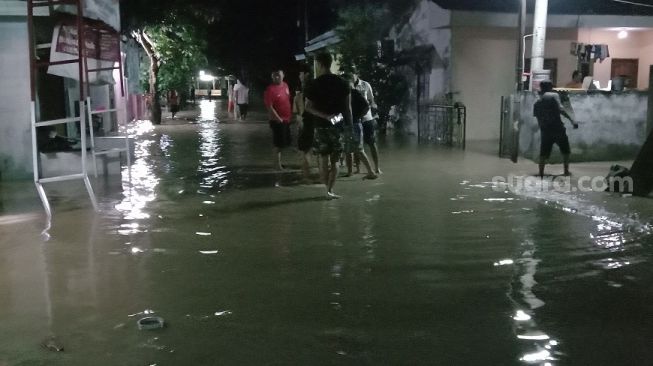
(201, 233)
(209, 251)
(151, 322)
(505, 262)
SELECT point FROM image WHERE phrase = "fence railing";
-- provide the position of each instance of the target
(443, 124)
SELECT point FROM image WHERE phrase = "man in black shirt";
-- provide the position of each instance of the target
(328, 99)
(547, 110)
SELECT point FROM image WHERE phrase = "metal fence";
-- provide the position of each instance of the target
(443, 124)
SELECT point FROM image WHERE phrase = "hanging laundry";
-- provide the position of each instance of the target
(588, 53)
(596, 49)
(574, 49)
(605, 52)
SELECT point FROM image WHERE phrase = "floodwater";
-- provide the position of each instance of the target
(428, 265)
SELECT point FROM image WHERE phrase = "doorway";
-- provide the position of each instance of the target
(627, 68)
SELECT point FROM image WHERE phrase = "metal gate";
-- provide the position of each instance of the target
(443, 124)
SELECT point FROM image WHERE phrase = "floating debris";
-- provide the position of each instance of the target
(150, 323)
(52, 344)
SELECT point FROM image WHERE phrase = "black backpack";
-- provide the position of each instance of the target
(359, 105)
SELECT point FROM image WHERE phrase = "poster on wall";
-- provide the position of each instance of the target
(107, 11)
(101, 49)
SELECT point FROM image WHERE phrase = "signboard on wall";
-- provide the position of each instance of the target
(101, 49)
(99, 44)
(107, 11)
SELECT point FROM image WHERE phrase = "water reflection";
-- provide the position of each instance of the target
(141, 189)
(207, 111)
(213, 174)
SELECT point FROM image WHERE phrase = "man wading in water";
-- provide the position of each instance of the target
(547, 110)
(328, 97)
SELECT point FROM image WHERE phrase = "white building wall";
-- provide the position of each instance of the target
(638, 45)
(15, 135)
(484, 62)
(646, 58)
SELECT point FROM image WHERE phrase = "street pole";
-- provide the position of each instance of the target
(520, 43)
(539, 40)
(515, 99)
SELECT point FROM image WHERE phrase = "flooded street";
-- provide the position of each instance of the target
(427, 265)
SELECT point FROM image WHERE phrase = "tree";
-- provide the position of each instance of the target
(175, 53)
(360, 28)
(168, 32)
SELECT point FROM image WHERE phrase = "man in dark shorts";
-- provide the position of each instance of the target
(547, 110)
(369, 123)
(327, 98)
(354, 143)
(277, 102)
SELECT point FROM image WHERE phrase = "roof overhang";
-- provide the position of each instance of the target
(322, 41)
(510, 20)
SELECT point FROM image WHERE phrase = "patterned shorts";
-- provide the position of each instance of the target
(354, 140)
(328, 141)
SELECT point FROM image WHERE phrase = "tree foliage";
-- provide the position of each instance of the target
(172, 35)
(181, 53)
(361, 29)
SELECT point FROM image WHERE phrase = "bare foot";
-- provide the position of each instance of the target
(332, 196)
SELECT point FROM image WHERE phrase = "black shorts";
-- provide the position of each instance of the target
(369, 132)
(306, 135)
(243, 109)
(558, 138)
(280, 134)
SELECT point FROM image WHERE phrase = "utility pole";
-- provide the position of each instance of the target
(520, 41)
(539, 41)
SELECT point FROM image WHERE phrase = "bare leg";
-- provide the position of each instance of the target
(306, 167)
(348, 160)
(541, 166)
(565, 162)
(357, 163)
(374, 151)
(276, 152)
(363, 158)
(333, 174)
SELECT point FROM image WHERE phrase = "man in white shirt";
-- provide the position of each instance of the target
(369, 123)
(241, 99)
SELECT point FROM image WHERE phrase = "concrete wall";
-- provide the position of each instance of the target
(612, 126)
(15, 135)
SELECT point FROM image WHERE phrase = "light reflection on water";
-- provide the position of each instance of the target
(614, 234)
(207, 110)
(142, 188)
(213, 174)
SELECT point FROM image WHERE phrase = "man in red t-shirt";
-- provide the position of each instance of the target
(277, 101)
